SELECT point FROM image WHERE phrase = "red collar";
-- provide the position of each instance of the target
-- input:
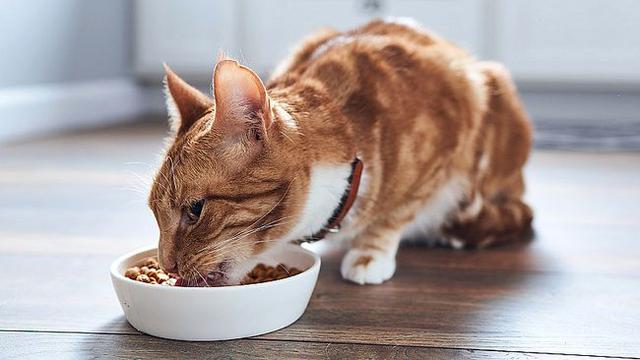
(347, 200)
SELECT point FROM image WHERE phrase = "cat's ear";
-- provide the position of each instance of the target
(185, 104)
(242, 103)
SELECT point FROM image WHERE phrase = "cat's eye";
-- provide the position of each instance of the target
(195, 209)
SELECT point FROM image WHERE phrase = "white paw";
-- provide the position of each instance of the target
(457, 244)
(452, 241)
(367, 266)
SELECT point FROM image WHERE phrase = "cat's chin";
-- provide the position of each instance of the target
(221, 276)
(213, 279)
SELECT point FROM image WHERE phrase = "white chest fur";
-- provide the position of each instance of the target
(327, 185)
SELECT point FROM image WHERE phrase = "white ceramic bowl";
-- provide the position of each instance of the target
(217, 313)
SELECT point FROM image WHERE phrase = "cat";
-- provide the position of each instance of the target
(436, 139)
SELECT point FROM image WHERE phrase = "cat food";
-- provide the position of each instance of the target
(264, 273)
(149, 271)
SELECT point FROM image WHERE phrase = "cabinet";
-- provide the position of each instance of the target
(270, 29)
(570, 40)
(460, 21)
(186, 35)
(542, 41)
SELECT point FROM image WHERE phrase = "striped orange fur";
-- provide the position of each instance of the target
(443, 138)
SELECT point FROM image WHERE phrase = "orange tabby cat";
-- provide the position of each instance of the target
(442, 138)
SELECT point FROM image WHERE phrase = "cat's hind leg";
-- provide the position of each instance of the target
(495, 213)
(497, 219)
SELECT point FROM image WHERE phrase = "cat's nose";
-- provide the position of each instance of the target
(171, 268)
(167, 261)
(167, 253)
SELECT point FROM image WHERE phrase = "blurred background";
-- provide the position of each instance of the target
(82, 116)
(68, 64)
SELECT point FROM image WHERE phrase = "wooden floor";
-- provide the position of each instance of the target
(70, 204)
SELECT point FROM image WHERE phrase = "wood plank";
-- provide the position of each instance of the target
(457, 308)
(67, 209)
(61, 346)
(486, 310)
(480, 309)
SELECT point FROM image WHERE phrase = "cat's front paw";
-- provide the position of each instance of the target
(367, 266)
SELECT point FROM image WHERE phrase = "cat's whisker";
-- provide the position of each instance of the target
(164, 186)
(242, 236)
(274, 206)
(146, 182)
(247, 232)
(264, 227)
(135, 190)
(206, 284)
(222, 251)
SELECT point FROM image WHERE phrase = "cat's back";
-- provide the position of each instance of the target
(397, 53)
(402, 31)
(393, 44)
(383, 69)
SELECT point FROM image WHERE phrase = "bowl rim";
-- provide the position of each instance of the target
(116, 275)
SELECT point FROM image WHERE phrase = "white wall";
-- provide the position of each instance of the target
(577, 62)
(51, 41)
(64, 64)
(71, 63)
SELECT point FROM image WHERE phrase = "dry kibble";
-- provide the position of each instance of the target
(152, 274)
(132, 273)
(143, 278)
(264, 273)
(150, 262)
(148, 271)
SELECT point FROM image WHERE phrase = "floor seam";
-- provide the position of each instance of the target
(330, 342)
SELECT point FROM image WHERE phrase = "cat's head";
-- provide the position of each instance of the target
(230, 183)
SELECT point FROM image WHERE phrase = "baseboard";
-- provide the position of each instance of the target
(38, 110)
(583, 107)
(580, 119)
(563, 119)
